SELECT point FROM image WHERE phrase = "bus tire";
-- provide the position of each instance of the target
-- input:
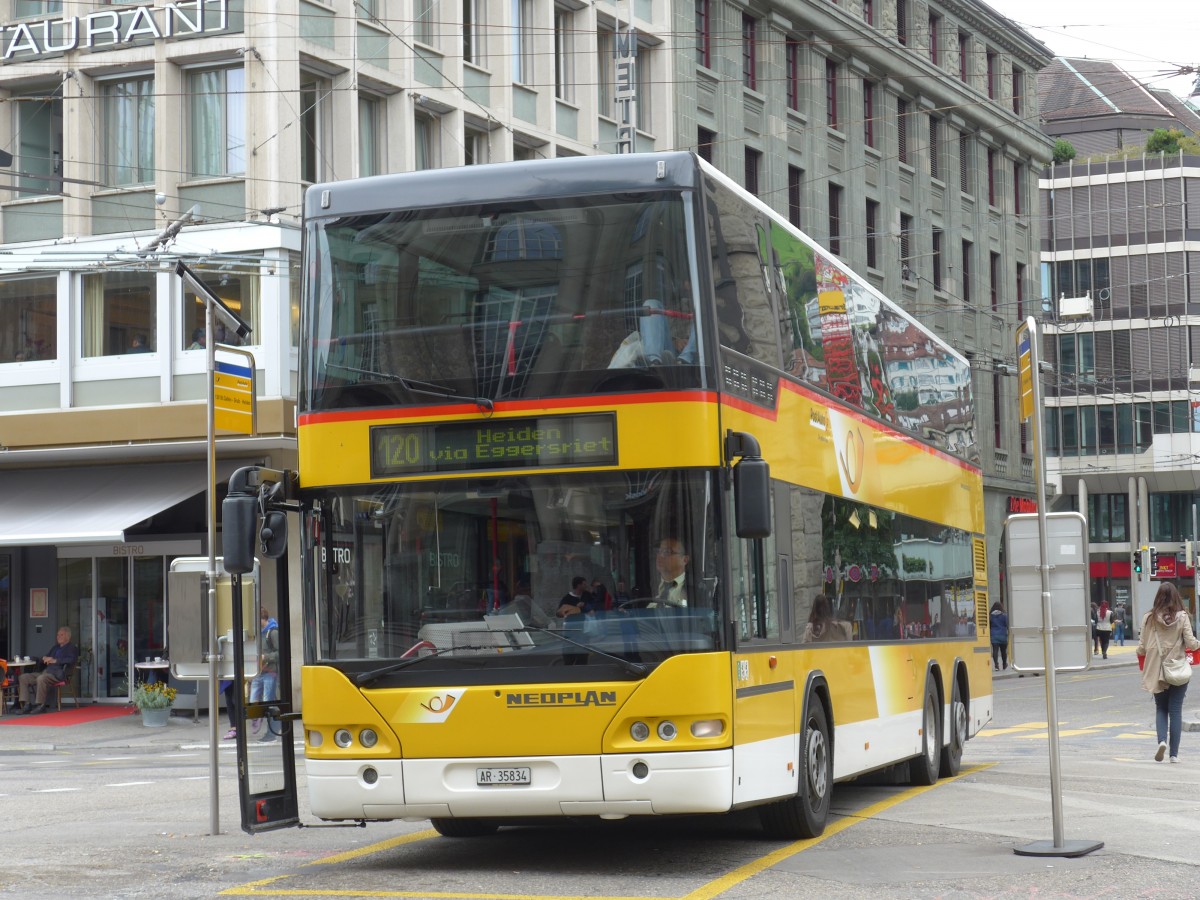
(463, 828)
(957, 738)
(805, 814)
(923, 769)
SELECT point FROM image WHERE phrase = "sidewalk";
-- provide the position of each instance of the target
(118, 733)
(1117, 657)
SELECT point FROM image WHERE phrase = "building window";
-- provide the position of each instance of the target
(564, 55)
(370, 135)
(522, 41)
(753, 162)
(872, 234)
(1077, 356)
(997, 403)
(24, 8)
(128, 131)
(964, 163)
(120, 312)
(1018, 188)
(868, 11)
(425, 22)
(991, 74)
(902, 21)
(1018, 90)
(994, 280)
(991, 176)
(835, 219)
(28, 319)
(793, 74)
(964, 45)
(831, 93)
(237, 285)
(868, 112)
(935, 26)
(968, 263)
(475, 147)
(471, 32)
(425, 150)
(936, 259)
(907, 269)
(705, 140)
(749, 51)
(1020, 292)
(218, 122)
(605, 72)
(314, 124)
(39, 141)
(935, 144)
(795, 194)
(902, 131)
(644, 86)
(703, 34)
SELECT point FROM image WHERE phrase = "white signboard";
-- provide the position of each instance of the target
(1066, 536)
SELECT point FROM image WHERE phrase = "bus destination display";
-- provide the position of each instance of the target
(540, 442)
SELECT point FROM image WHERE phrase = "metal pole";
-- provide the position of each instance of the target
(211, 577)
(1195, 568)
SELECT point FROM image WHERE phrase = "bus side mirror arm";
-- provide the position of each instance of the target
(751, 486)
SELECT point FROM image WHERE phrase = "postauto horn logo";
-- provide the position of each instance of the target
(437, 707)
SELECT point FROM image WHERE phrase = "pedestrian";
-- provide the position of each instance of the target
(1119, 624)
(999, 628)
(1104, 627)
(1166, 634)
(1095, 630)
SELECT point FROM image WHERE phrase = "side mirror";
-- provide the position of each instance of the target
(752, 497)
(239, 516)
(273, 534)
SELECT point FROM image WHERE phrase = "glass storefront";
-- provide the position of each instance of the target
(116, 609)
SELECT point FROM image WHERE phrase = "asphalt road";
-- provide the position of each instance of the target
(130, 818)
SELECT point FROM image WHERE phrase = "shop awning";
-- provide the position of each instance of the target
(91, 504)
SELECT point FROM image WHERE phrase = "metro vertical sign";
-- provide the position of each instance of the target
(625, 94)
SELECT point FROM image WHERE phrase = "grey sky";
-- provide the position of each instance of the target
(1147, 38)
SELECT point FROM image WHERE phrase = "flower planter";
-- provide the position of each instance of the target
(155, 718)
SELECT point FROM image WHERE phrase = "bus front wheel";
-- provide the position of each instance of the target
(463, 828)
(804, 815)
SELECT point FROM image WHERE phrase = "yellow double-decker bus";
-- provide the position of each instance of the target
(618, 496)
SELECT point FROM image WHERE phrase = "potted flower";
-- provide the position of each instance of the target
(154, 699)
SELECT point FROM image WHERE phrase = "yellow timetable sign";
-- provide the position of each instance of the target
(233, 395)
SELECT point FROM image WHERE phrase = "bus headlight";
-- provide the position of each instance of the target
(639, 731)
(315, 738)
(368, 738)
(343, 738)
(707, 728)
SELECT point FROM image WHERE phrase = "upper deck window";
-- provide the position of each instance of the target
(524, 299)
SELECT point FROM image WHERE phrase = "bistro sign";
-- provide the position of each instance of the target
(112, 28)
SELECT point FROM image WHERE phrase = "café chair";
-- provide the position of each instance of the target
(70, 682)
(8, 686)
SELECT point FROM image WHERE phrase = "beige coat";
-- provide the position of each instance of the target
(1154, 630)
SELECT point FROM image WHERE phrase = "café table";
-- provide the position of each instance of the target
(151, 668)
(15, 669)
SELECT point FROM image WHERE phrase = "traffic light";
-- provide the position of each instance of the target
(1137, 562)
(1153, 561)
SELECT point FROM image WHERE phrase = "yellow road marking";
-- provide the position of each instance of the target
(266, 887)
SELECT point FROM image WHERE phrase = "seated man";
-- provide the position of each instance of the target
(36, 685)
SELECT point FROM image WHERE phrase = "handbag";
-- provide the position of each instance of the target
(1176, 670)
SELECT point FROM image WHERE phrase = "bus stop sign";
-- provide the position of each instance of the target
(1066, 535)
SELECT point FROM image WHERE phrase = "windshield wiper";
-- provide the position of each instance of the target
(365, 678)
(417, 387)
(631, 667)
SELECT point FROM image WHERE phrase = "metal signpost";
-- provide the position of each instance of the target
(1031, 411)
(214, 307)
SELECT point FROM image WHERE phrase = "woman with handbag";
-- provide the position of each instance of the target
(1166, 637)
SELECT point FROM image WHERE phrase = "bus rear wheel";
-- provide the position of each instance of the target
(805, 814)
(923, 769)
(463, 828)
(953, 751)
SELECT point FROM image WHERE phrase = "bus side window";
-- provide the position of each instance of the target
(755, 585)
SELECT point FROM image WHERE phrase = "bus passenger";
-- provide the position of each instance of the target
(822, 626)
(577, 601)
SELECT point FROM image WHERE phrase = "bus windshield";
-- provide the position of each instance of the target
(501, 301)
(584, 568)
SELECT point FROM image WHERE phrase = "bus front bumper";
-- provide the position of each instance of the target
(610, 785)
